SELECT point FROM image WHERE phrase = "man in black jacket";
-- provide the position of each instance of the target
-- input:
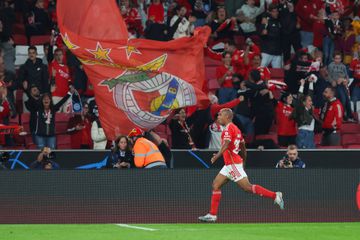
(271, 38)
(290, 28)
(34, 72)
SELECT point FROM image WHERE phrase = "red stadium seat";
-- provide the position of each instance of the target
(239, 41)
(330, 147)
(61, 122)
(317, 139)
(20, 39)
(18, 28)
(353, 146)
(277, 73)
(267, 136)
(350, 139)
(63, 141)
(213, 84)
(39, 40)
(350, 128)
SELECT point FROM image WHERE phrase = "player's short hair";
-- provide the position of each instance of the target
(292, 147)
(228, 112)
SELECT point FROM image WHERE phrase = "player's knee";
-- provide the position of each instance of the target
(215, 186)
(247, 188)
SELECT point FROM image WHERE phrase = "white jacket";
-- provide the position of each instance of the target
(251, 13)
(98, 136)
(183, 29)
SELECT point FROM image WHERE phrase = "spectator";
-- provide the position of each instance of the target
(215, 135)
(343, 94)
(319, 29)
(222, 28)
(38, 21)
(32, 104)
(79, 127)
(247, 14)
(224, 75)
(334, 31)
(146, 153)
(347, 41)
(33, 72)
(262, 103)
(98, 135)
(286, 125)
(255, 64)
(7, 79)
(307, 11)
(337, 69)
(59, 79)
(121, 155)
(290, 29)
(180, 26)
(303, 116)
(45, 119)
(180, 132)
(243, 112)
(45, 160)
(156, 11)
(331, 116)
(299, 69)
(162, 144)
(7, 48)
(355, 85)
(291, 160)
(132, 19)
(271, 39)
(200, 9)
(4, 109)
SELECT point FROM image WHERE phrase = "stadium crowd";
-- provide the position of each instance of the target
(289, 69)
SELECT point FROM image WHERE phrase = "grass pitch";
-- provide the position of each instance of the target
(303, 231)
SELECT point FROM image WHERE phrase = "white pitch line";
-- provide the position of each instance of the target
(136, 227)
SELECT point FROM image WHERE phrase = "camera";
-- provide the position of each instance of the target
(286, 161)
(49, 156)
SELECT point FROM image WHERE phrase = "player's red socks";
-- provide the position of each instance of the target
(263, 192)
(215, 201)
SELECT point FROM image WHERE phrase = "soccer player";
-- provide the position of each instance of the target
(232, 142)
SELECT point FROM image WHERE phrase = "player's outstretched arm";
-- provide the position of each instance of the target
(221, 151)
(243, 152)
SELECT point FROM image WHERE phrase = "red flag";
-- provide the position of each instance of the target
(137, 82)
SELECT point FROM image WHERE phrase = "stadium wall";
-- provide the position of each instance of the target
(80, 159)
(173, 196)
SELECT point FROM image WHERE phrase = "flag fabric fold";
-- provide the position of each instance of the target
(137, 82)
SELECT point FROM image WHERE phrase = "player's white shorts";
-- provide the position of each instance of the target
(234, 172)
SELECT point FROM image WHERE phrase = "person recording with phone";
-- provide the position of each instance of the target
(291, 159)
(45, 160)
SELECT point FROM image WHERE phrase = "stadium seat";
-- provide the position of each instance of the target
(350, 128)
(267, 136)
(39, 40)
(350, 139)
(63, 141)
(61, 122)
(317, 139)
(239, 41)
(20, 39)
(18, 28)
(277, 73)
(353, 146)
(329, 147)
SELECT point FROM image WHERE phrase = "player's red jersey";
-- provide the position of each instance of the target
(233, 134)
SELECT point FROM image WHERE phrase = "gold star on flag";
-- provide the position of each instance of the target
(129, 50)
(67, 42)
(101, 53)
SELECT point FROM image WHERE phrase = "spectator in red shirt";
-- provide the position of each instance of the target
(224, 75)
(132, 18)
(331, 116)
(4, 109)
(222, 28)
(79, 127)
(307, 11)
(319, 29)
(156, 11)
(286, 126)
(255, 64)
(355, 86)
(60, 79)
